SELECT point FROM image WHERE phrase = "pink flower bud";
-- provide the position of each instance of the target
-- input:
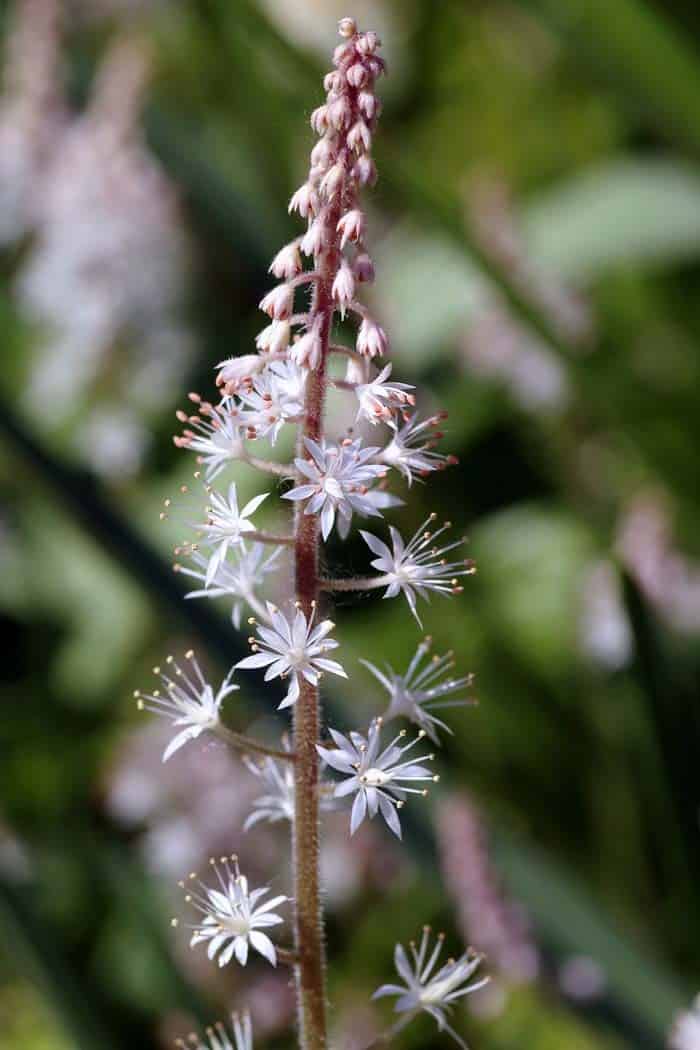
(235, 370)
(312, 241)
(356, 371)
(364, 268)
(279, 302)
(332, 180)
(359, 136)
(275, 337)
(339, 112)
(319, 119)
(367, 104)
(343, 53)
(307, 350)
(367, 43)
(371, 339)
(364, 171)
(344, 287)
(351, 226)
(304, 201)
(376, 66)
(322, 153)
(287, 262)
(333, 81)
(347, 27)
(357, 75)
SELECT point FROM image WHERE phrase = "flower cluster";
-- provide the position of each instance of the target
(334, 478)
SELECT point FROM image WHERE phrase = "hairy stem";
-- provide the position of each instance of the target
(309, 939)
(247, 743)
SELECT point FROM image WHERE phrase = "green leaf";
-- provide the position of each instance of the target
(626, 211)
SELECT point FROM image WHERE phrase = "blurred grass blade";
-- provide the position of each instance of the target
(673, 717)
(570, 921)
(37, 950)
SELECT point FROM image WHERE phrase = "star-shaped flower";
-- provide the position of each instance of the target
(685, 1033)
(238, 579)
(278, 802)
(380, 400)
(189, 701)
(215, 433)
(289, 648)
(417, 692)
(411, 450)
(218, 1037)
(376, 777)
(429, 990)
(276, 397)
(226, 525)
(418, 567)
(232, 918)
(338, 480)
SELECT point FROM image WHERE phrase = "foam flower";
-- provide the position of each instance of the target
(292, 647)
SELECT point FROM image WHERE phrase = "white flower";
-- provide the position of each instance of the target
(236, 370)
(275, 338)
(410, 450)
(275, 398)
(278, 803)
(307, 350)
(226, 525)
(279, 302)
(371, 339)
(338, 480)
(312, 241)
(432, 992)
(278, 776)
(685, 1033)
(214, 433)
(304, 201)
(289, 648)
(380, 400)
(363, 268)
(351, 226)
(418, 691)
(418, 567)
(287, 263)
(217, 1037)
(344, 287)
(189, 701)
(377, 778)
(359, 136)
(237, 579)
(232, 918)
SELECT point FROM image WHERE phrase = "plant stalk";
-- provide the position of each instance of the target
(309, 939)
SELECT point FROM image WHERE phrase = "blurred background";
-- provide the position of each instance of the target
(536, 232)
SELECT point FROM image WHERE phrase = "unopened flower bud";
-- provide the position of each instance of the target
(339, 113)
(343, 54)
(333, 82)
(312, 241)
(279, 302)
(287, 262)
(347, 27)
(357, 75)
(371, 339)
(322, 153)
(367, 43)
(351, 226)
(359, 136)
(307, 350)
(275, 337)
(364, 170)
(304, 201)
(332, 180)
(367, 104)
(235, 370)
(344, 287)
(363, 268)
(319, 119)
